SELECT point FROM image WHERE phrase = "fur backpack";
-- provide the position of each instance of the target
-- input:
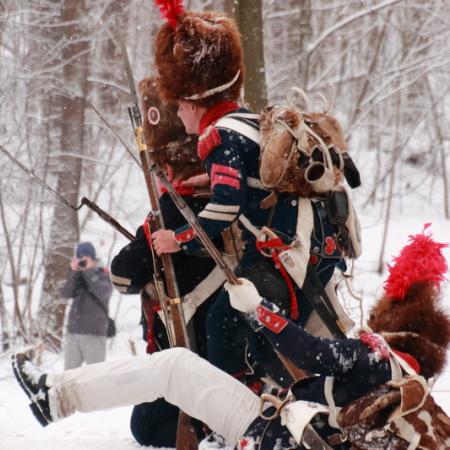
(396, 416)
(304, 153)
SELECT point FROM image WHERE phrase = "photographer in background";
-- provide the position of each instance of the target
(90, 288)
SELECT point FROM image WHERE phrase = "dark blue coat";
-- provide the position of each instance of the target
(356, 369)
(229, 166)
(132, 267)
(233, 167)
(155, 423)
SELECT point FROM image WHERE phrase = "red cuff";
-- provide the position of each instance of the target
(184, 236)
(271, 320)
(147, 232)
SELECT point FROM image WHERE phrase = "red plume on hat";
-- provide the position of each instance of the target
(409, 315)
(171, 10)
(419, 261)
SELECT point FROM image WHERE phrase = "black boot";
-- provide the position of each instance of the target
(32, 381)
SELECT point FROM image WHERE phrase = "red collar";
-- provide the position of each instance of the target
(409, 359)
(215, 113)
(184, 191)
(177, 185)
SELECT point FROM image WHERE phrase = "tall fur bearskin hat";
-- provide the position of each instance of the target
(165, 135)
(198, 56)
(409, 315)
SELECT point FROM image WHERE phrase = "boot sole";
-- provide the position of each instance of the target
(34, 405)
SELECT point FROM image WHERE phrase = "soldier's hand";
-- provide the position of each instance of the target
(197, 181)
(164, 242)
(244, 297)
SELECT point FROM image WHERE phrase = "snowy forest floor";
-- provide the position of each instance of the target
(110, 429)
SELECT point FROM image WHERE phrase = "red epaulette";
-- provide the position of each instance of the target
(208, 141)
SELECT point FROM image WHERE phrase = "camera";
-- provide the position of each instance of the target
(82, 264)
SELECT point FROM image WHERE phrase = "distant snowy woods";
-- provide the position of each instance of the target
(386, 64)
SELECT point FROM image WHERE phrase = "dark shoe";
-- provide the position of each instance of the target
(32, 381)
(212, 442)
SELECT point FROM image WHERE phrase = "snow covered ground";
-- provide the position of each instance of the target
(110, 429)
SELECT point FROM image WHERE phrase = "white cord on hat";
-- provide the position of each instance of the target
(210, 92)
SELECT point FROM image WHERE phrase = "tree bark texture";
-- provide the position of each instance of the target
(65, 227)
(250, 22)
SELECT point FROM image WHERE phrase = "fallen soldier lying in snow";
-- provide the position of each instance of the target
(397, 344)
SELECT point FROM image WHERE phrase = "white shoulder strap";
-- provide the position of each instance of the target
(251, 116)
(333, 409)
(231, 123)
(397, 364)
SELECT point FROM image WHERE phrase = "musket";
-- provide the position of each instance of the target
(164, 272)
(84, 201)
(179, 202)
(312, 286)
(150, 170)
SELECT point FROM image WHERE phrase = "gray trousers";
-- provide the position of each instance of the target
(80, 348)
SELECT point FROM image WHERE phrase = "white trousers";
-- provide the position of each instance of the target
(178, 375)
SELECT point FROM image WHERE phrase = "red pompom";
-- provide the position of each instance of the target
(170, 10)
(419, 261)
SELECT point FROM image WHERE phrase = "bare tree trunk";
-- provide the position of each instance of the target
(17, 318)
(304, 39)
(396, 151)
(3, 322)
(249, 19)
(65, 226)
(441, 140)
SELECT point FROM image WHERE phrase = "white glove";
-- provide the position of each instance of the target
(244, 297)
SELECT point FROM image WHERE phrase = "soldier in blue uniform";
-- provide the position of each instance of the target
(132, 268)
(346, 368)
(205, 78)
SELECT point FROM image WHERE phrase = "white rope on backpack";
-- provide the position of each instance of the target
(328, 104)
(297, 135)
(325, 150)
(296, 91)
